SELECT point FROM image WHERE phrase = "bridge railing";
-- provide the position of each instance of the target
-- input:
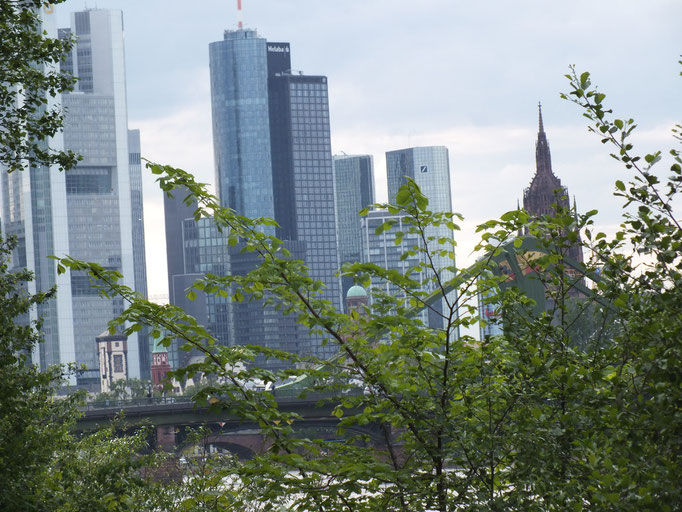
(281, 395)
(135, 402)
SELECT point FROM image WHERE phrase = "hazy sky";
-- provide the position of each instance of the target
(467, 75)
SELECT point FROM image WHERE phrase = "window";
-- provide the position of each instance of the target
(118, 363)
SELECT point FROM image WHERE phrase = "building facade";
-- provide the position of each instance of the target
(429, 167)
(92, 212)
(272, 151)
(545, 192)
(354, 190)
(113, 359)
(194, 249)
(382, 250)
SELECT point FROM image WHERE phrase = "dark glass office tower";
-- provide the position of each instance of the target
(304, 179)
(175, 211)
(273, 158)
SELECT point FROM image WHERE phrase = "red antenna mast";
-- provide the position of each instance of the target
(239, 12)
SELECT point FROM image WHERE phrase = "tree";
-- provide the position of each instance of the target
(33, 424)
(642, 265)
(545, 417)
(108, 472)
(29, 79)
(43, 465)
(126, 389)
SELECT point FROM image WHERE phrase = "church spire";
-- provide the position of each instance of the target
(543, 159)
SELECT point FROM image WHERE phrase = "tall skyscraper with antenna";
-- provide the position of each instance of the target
(273, 159)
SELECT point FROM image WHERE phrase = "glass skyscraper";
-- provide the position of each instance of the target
(429, 167)
(194, 249)
(381, 249)
(93, 212)
(272, 151)
(34, 210)
(354, 190)
(241, 128)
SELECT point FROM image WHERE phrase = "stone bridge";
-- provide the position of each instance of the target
(174, 418)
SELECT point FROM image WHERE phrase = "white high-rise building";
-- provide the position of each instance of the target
(92, 212)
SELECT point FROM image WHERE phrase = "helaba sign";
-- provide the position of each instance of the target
(278, 49)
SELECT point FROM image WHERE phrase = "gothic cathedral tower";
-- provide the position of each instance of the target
(546, 192)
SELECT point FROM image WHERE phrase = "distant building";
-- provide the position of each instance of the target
(354, 190)
(92, 212)
(381, 249)
(272, 151)
(194, 249)
(542, 197)
(160, 366)
(241, 122)
(356, 298)
(112, 350)
(546, 192)
(137, 202)
(175, 212)
(429, 167)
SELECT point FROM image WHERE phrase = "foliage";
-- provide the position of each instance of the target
(576, 408)
(43, 465)
(642, 266)
(29, 78)
(209, 482)
(107, 472)
(126, 389)
(33, 422)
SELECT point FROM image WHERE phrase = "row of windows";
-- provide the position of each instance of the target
(308, 86)
(88, 184)
(312, 104)
(310, 127)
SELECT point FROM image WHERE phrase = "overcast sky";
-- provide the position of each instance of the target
(464, 74)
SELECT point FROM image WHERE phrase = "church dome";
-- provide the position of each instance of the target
(356, 291)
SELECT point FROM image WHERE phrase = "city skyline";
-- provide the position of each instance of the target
(466, 77)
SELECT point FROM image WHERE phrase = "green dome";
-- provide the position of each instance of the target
(159, 348)
(356, 291)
